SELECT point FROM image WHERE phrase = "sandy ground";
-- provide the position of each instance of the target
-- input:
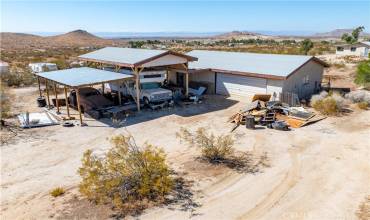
(321, 171)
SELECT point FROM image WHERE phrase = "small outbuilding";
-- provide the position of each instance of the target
(246, 74)
(4, 67)
(358, 49)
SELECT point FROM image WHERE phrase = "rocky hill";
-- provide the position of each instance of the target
(74, 38)
(240, 35)
(337, 33)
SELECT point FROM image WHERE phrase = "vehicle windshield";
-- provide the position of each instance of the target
(152, 85)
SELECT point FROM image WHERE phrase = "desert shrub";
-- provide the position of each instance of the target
(359, 96)
(339, 65)
(363, 74)
(18, 77)
(57, 192)
(363, 105)
(212, 147)
(326, 106)
(363, 213)
(127, 176)
(5, 101)
(318, 97)
(328, 103)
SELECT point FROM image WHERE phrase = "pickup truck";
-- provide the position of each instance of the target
(150, 87)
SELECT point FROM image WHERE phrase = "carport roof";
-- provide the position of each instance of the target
(129, 57)
(84, 76)
(265, 65)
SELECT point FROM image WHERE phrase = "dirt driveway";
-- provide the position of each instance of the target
(321, 171)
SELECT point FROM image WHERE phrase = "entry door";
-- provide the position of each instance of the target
(235, 85)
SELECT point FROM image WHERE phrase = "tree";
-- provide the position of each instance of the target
(306, 46)
(363, 74)
(353, 38)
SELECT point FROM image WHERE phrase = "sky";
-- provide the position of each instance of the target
(182, 16)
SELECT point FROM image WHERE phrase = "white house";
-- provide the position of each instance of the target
(4, 67)
(41, 67)
(357, 49)
(246, 74)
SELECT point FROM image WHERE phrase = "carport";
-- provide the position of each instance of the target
(139, 59)
(76, 78)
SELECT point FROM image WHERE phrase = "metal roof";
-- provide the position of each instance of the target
(128, 56)
(366, 43)
(84, 76)
(255, 63)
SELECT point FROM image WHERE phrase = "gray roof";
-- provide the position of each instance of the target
(366, 43)
(83, 76)
(255, 63)
(122, 55)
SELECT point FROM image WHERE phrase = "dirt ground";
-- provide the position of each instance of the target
(321, 171)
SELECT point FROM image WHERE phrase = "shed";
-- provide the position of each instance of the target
(139, 59)
(245, 74)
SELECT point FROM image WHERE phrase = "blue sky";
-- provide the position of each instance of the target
(178, 16)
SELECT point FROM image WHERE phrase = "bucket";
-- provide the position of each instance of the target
(249, 122)
(41, 102)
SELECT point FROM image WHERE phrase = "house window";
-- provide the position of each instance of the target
(306, 80)
(340, 48)
(353, 49)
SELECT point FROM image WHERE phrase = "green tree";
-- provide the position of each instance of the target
(363, 74)
(353, 38)
(306, 46)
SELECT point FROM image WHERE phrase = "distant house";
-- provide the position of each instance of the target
(4, 67)
(358, 49)
(41, 67)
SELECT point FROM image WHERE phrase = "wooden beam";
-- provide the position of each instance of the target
(137, 81)
(56, 97)
(47, 93)
(78, 105)
(119, 98)
(186, 80)
(67, 104)
(38, 82)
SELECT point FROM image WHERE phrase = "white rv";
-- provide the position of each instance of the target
(41, 67)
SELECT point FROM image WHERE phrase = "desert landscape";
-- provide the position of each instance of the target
(283, 187)
(172, 110)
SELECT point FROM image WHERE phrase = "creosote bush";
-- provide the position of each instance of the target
(212, 147)
(363, 105)
(328, 103)
(57, 192)
(127, 176)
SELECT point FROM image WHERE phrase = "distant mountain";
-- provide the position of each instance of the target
(239, 35)
(79, 37)
(337, 33)
(74, 38)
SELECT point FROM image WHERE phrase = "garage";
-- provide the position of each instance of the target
(234, 85)
(242, 74)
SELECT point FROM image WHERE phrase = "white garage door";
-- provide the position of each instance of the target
(234, 85)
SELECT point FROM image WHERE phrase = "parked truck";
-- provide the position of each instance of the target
(151, 90)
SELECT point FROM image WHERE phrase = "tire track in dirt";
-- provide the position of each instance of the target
(290, 180)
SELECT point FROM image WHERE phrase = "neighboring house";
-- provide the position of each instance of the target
(4, 67)
(41, 67)
(358, 49)
(246, 74)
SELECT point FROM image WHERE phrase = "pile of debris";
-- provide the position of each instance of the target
(273, 114)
